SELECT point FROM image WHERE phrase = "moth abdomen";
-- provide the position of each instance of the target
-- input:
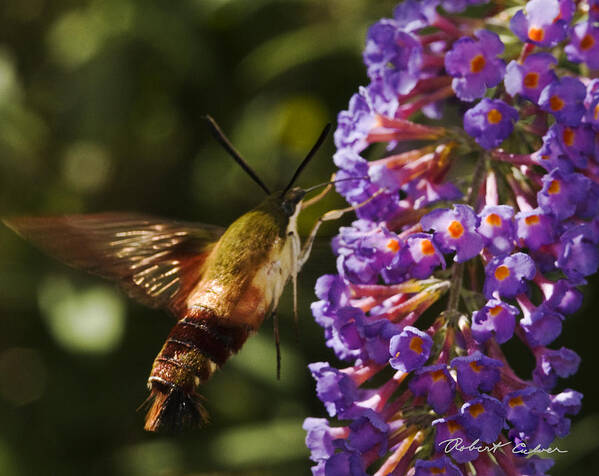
(196, 346)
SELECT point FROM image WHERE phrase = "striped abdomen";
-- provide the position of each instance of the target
(194, 349)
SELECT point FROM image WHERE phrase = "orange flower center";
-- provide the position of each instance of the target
(502, 272)
(455, 229)
(437, 470)
(495, 310)
(438, 375)
(531, 80)
(568, 136)
(536, 34)
(554, 187)
(556, 103)
(474, 366)
(596, 112)
(493, 219)
(515, 402)
(476, 410)
(453, 426)
(393, 245)
(477, 64)
(416, 344)
(587, 42)
(532, 220)
(427, 247)
(494, 116)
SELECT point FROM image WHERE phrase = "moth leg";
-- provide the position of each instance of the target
(275, 325)
(328, 216)
(295, 252)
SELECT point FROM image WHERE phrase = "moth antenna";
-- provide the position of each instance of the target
(308, 157)
(275, 325)
(220, 136)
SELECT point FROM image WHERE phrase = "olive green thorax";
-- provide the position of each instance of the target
(250, 239)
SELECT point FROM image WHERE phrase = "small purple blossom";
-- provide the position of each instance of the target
(490, 122)
(412, 15)
(541, 325)
(496, 319)
(320, 438)
(483, 418)
(579, 255)
(562, 296)
(365, 250)
(529, 78)
(497, 229)
(475, 65)
(525, 406)
(376, 336)
(564, 99)
(535, 228)
(567, 402)
(354, 124)
(437, 384)
(418, 258)
(449, 430)
(552, 364)
(551, 155)
(476, 373)
(507, 275)
(367, 431)
(455, 230)
(541, 24)
(346, 462)
(562, 193)
(584, 45)
(410, 349)
(393, 55)
(336, 389)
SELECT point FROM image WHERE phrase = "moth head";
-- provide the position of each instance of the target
(291, 199)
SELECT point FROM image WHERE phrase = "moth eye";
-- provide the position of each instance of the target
(288, 208)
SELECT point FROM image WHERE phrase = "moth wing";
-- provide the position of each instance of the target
(156, 261)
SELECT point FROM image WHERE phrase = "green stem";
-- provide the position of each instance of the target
(457, 272)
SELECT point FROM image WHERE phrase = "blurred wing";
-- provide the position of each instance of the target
(156, 261)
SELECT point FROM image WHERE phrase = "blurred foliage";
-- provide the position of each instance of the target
(101, 108)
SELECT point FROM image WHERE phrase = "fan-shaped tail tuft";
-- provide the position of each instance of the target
(173, 410)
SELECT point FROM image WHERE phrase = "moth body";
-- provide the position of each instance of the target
(219, 284)
(242, 281)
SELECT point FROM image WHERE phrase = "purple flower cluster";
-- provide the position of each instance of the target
(466, 237)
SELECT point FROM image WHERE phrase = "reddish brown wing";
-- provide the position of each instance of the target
(156, 261)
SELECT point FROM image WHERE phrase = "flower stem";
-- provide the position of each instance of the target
(457, 272)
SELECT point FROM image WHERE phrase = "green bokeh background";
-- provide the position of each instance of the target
(101, 106)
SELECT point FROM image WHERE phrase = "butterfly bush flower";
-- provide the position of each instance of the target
(475, 227)
(529, 77)
(474, 64)
(490, 122)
